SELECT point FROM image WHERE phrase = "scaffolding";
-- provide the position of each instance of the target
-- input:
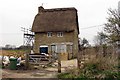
(28, 37)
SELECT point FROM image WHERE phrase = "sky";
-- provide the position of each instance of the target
(15, 14)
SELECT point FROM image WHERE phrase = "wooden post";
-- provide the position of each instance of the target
(26, 61)
(50, 57)
(59, 63)
(78, 60)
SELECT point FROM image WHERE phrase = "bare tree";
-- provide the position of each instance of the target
(112, 27)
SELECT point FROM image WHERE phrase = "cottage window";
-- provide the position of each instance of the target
(61, 48)
(60, 34)
(49, 34)
(70, 48)
(53, 48)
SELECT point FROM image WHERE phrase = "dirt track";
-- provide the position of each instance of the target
(49, 72)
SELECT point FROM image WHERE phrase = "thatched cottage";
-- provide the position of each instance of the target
(56, 31)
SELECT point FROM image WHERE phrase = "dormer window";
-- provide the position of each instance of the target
(49, 34)
(60, 34)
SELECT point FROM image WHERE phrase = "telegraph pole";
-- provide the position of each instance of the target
(28, 39)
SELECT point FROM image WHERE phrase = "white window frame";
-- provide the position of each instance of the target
(49, 34)
(55, 48)
(61, 48)
(59, 34)
(71, 49)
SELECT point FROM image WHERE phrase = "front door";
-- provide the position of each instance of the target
(43, 49)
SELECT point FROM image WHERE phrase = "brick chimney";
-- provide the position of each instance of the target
(40, 9)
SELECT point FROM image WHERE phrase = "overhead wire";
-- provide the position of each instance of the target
(92, 26)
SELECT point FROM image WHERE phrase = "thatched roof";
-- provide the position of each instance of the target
(58, 19)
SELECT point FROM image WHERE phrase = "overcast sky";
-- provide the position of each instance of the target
(15, 14)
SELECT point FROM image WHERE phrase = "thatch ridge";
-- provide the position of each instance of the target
(58, 9)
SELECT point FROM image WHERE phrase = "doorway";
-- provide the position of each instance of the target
(43, 49)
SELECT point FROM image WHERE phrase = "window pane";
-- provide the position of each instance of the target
(49, 34)
(53, 48)
(61, 48)
(60, 34)
(70, 48)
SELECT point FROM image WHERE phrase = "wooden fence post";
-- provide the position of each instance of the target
(78, 60)
(50, 57)
(59, 63)
(26, 61)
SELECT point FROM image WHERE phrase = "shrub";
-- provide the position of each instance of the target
(82, 77)
(105, 68)
(111, 75)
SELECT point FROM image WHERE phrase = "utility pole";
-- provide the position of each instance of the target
(27, 42)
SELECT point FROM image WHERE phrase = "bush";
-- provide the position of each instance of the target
(92, 68)
(82, 77)
(111, 75)
(105, 68)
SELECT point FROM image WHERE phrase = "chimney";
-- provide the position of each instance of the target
(40, 9)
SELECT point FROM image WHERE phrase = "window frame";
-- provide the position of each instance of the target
(59, 34)
(62, 48)
(49, 34)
